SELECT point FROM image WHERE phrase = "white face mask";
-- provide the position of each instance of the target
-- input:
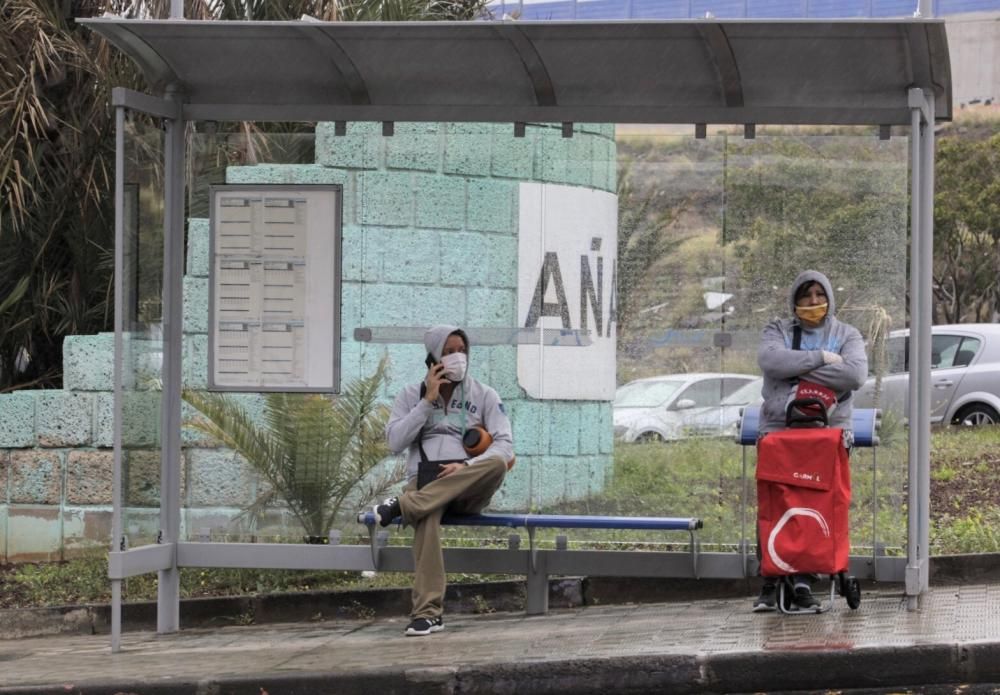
(454, 366)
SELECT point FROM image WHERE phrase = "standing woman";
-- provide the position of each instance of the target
(828, 352)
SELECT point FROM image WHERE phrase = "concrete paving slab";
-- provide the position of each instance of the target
(697, 646)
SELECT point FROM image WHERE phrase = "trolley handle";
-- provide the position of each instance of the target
(807, 420)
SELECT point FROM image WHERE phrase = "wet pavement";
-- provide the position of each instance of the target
(696, 646)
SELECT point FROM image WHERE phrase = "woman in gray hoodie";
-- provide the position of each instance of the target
(429, 420)
(830, 353)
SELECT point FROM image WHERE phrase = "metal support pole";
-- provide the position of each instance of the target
(924, 325)
(912, 563)
(538, 586)
(921, 259)
(119, 357)
(744, 542)
(176, 9)
(875, 552)
(168, 593)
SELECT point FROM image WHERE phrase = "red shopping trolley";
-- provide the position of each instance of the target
(804, 493)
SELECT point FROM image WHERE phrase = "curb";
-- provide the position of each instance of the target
(733, 672)
(304, 606)
(274, 608)
(483, 597)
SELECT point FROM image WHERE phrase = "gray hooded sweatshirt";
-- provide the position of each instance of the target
(783, 367)
(442, 424)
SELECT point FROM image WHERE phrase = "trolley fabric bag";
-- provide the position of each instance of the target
(803, 493)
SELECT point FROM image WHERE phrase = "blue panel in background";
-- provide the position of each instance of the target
(549, 10)
(602, 9)
(893, 8)
(838, 8)
(776, 9)
(661, 9)
(723, 9)
(501, 8)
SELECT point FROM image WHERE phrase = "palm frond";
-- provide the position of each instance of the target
(228, 422)
(315, 452)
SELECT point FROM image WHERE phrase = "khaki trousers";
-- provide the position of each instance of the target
(467, 491)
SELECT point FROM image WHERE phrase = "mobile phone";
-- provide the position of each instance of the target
(430, 361)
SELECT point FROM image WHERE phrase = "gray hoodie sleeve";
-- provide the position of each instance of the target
(408, 416)
(849, 375)
(780, 362)
(500, 429)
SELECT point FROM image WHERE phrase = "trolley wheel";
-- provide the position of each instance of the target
(852, 592)
(841, 578)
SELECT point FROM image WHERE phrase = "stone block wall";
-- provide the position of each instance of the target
(56, 462)
(430, 236)
(430, 220)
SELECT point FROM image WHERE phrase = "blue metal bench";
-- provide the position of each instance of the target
(537, 572)
(864, 421)
(538, 564)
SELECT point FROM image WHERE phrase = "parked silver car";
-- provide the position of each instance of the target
(965, 375)
(675, 406)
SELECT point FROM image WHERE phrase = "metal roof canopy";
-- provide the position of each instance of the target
(795, 72)
(778, 72)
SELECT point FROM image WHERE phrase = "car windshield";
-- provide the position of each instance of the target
(645, 394)
(745, 394)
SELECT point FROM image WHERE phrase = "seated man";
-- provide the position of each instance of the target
(430, 419)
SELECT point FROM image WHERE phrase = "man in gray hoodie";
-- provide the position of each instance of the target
(830, 353)
(430, 419)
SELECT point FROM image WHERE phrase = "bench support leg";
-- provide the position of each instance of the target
(538, 587)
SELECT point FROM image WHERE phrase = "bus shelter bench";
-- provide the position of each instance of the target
(864, 423)
(537, 572)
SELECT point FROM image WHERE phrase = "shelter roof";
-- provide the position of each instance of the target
(708, 71)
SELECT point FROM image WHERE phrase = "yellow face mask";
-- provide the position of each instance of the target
(812, 314)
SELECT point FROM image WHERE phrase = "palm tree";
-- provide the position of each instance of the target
(314, 452)
(56, 178)
(57, 158)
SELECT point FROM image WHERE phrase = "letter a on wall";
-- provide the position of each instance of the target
(567, 251)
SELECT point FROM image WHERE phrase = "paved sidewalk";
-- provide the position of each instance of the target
(697, 646)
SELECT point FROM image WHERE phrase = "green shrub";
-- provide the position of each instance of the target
(976, 532)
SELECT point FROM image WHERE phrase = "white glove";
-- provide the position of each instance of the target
(831, 357)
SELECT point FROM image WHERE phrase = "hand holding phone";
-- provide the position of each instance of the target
(435, 377)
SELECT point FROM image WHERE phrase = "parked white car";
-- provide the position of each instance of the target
(676, 406)
(965, 375)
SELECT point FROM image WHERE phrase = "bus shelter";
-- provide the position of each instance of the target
(749, 74)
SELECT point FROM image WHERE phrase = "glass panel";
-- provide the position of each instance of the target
(835, 203)
(229, 487)
(509, 238)
(676, 305)
(142, 343)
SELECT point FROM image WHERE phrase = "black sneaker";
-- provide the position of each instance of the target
(768, 599)
(387, 511)
(803, 600)
(424, 626)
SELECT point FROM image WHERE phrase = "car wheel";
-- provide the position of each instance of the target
(646, 437)
(976, 414)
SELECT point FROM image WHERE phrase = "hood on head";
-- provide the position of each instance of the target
(436, 336)
(811, 276)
